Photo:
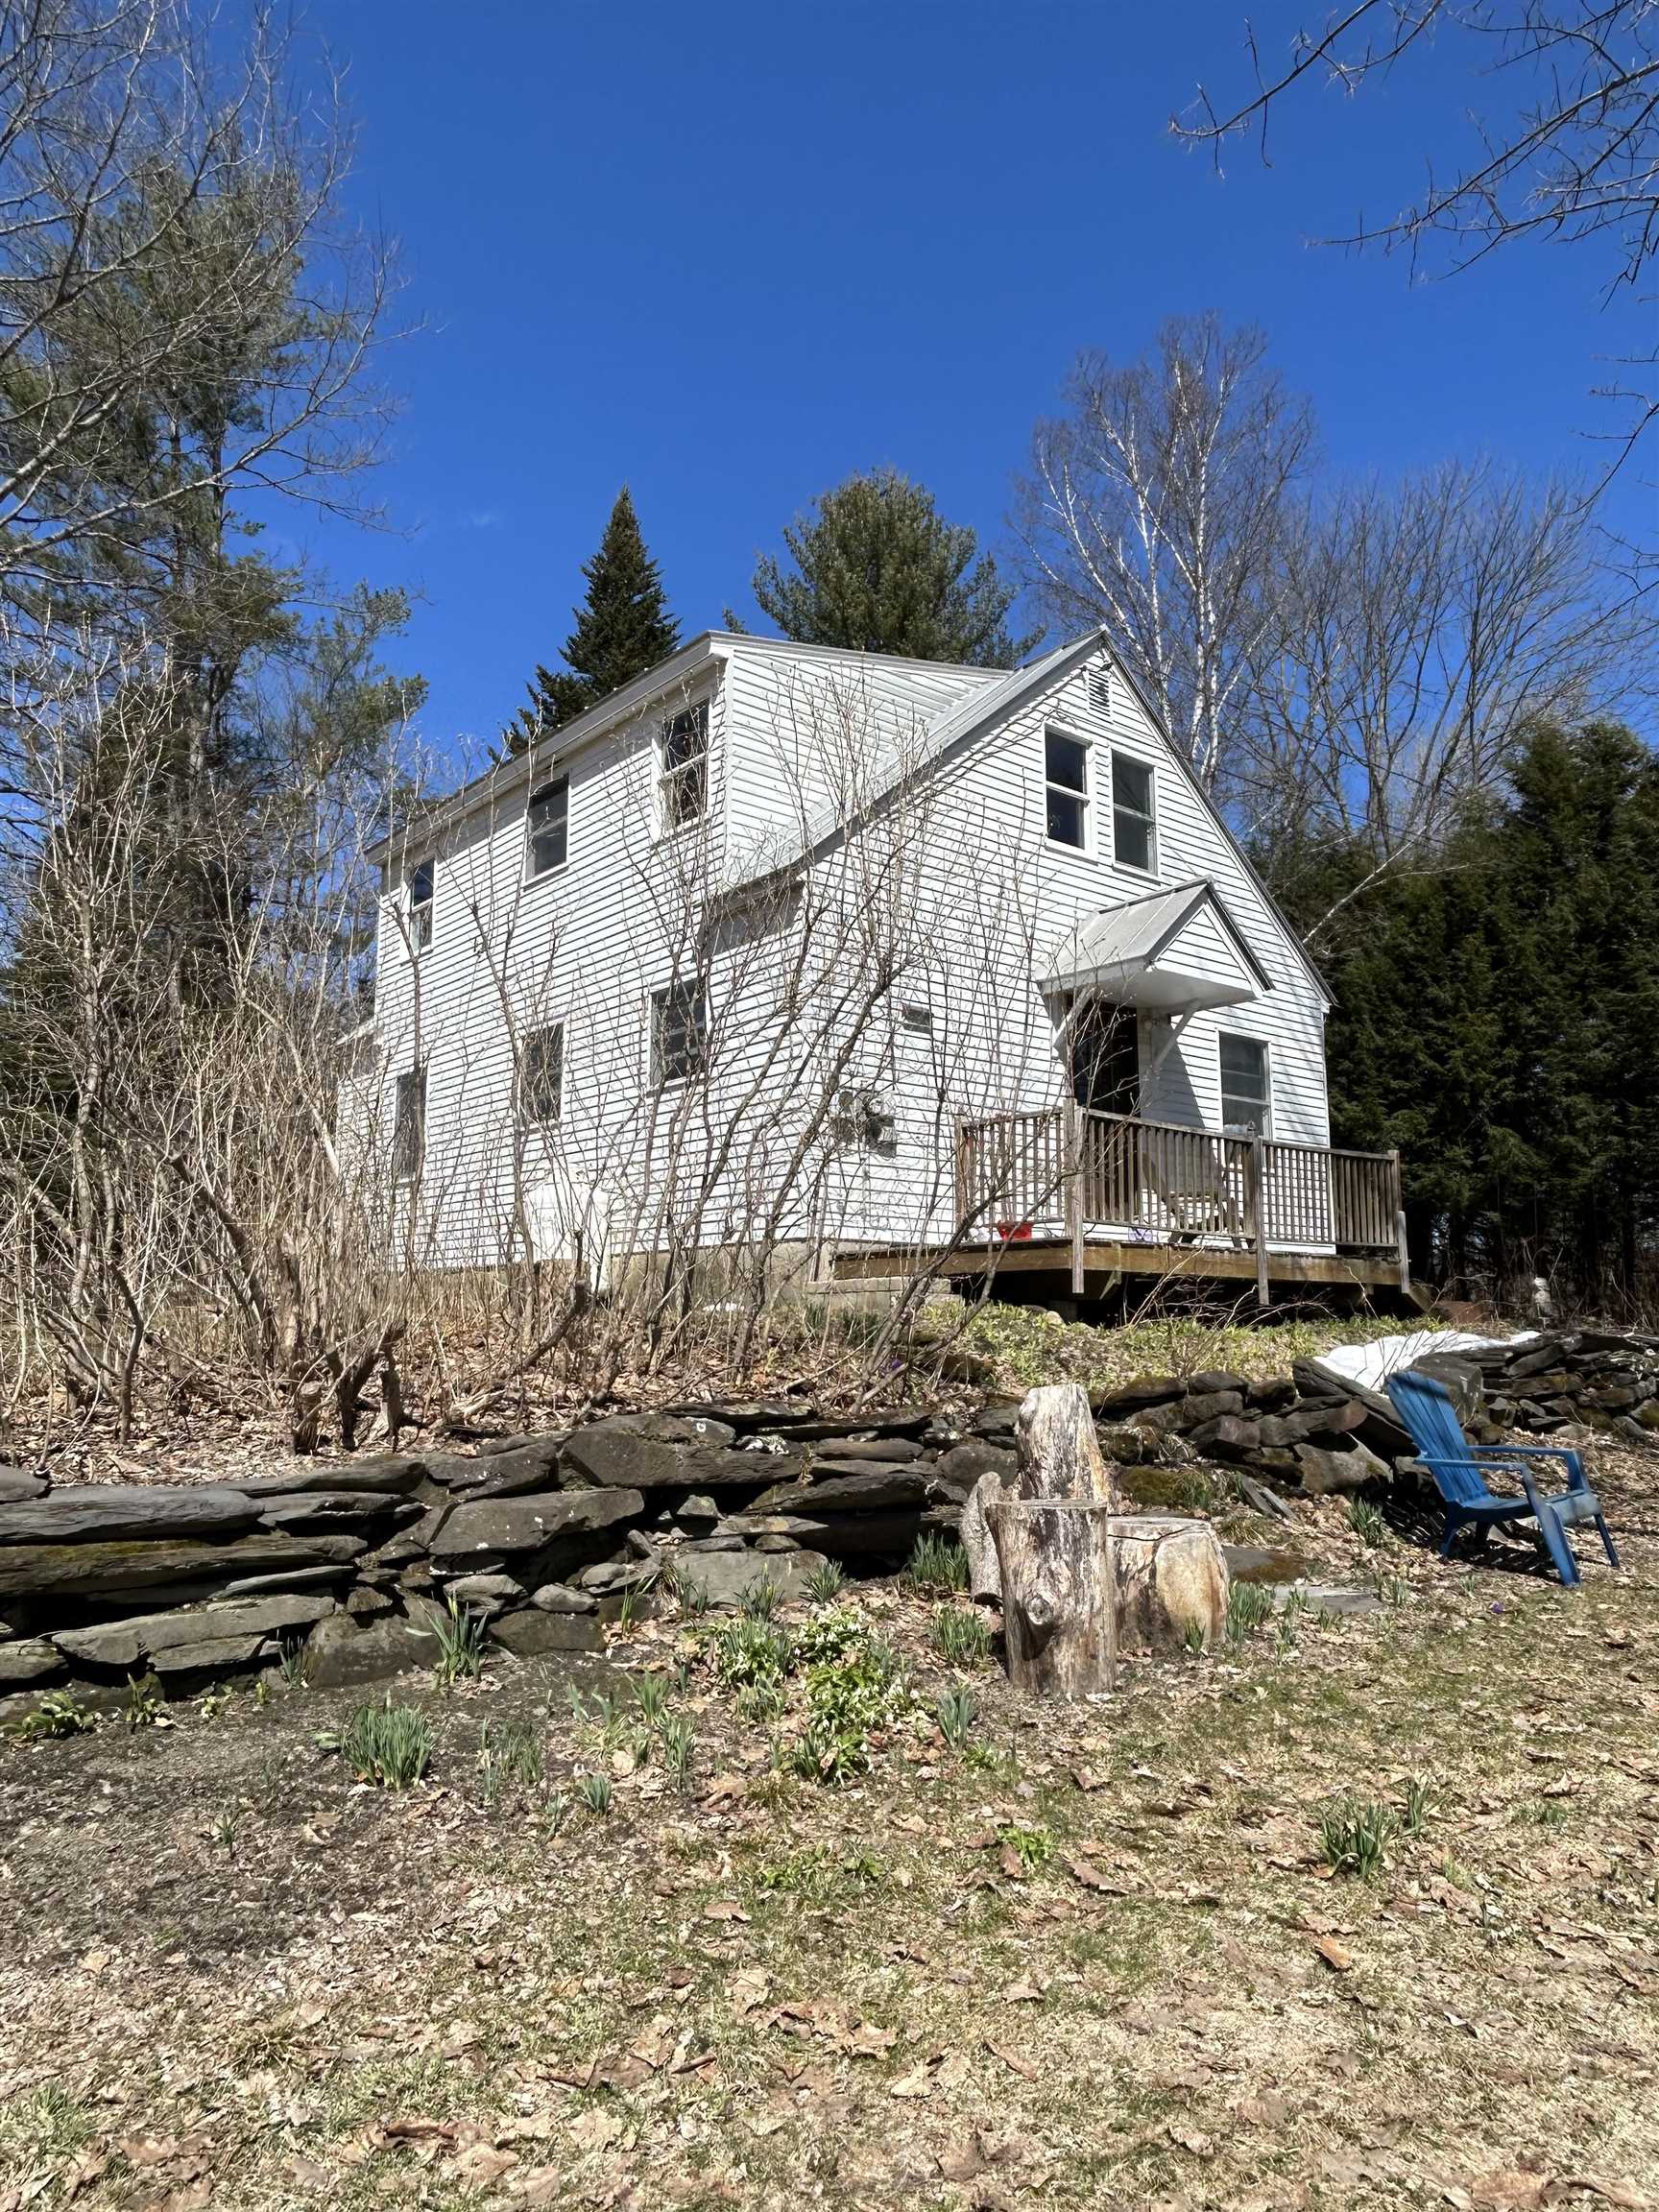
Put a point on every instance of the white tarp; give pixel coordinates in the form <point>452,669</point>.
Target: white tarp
<point>1370,1364</point>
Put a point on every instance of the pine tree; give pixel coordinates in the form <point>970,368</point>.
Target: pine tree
<point>623,628</point>
<point>877,568</point>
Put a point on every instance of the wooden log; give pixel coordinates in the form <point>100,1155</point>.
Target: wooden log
<point>1171,1582</point>
<point>1059,1592</point>
<point>984,1574</point>
<point>1055,1445</point>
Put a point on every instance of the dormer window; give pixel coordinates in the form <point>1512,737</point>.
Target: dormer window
<point>421,885</point>
<point>682,783</point>
<point>547,828</point>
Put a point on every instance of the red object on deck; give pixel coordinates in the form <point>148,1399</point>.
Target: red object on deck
<point>1014,1232</point>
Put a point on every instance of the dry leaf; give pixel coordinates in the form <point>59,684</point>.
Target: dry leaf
<point>723,1909</point>
<point>1622,2193</point>
<point>597,2129</point>
<point>918,2083</point>
<point>1015,2060</point>
<point>481,2163</point>
<point>1511,2189</point>
<point>963,2161</point>
<point>1340,1959</point>
<point>1022,1993</point>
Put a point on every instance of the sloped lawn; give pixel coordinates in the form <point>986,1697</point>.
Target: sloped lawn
<point>1082,1958</point>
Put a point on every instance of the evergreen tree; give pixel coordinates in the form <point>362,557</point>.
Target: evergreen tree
<point>623,628</point>
<point>875,567</point>
<point>1497,1019</point>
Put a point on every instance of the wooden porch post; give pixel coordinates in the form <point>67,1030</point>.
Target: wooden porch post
<point>1071,1170</point>
<point>1258,1196</point>
<point>1401,1250</point>
<point>961,1172</point>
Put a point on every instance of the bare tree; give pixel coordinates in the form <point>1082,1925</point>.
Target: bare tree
<point>1424,629</point>
<point>1567,147</point>
<point>1156,505</point>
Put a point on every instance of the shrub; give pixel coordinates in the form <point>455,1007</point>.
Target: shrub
<point>1354,1834</point>
<point>963,1636</point>
<point>388,1745</point>
<point>937,1563</point>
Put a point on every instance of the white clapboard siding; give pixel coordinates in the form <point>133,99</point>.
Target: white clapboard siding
<point>986,900</point>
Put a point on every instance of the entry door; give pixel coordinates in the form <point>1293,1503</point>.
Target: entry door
<point>1106,1058</point>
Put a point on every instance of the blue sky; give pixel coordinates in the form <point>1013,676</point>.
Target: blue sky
<point>730,253</point>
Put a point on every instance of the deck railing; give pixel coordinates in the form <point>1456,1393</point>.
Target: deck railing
<point>1073,1171</point>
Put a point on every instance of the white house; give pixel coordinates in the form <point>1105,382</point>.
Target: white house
<point>860,956</point>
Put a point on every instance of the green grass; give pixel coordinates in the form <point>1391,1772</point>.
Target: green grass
<point>1249,1604</point>
<point>1025,1346</point>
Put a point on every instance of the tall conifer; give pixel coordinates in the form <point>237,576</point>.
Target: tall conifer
<point>622,628</point>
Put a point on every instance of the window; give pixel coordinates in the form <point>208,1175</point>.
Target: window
<point>1098,687</point>
<point>683,789</point>
<point>1246,1102</point>
<point>1066,771</point>
<point>1134,829</point>
<point>915,1018</point>
<point>422,884</point>
<point>541,1074</point>
<point>409,1131</point>
<point>679,1032</point>
<point>547,828</point>
<point>863,1120</point>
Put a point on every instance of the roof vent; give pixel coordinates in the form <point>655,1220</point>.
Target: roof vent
<point>1099,691</point>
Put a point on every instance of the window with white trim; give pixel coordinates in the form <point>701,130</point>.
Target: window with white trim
<point>1134,814</point>
<point>1246,1086</point>
<point>547,828</point>
<point>409,1127</point>
<point>682,782</point>
<point>422,885</point>
<point>1065,789</point>
<point>542,1075</point>
<point>679,1032</point>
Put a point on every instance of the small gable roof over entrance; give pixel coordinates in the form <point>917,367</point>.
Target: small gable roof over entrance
<point>1177,950</point>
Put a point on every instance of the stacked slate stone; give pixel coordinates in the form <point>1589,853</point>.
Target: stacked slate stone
<point>1306,1431</point>
<point>542,1537</point>
<point>1597,1377</point>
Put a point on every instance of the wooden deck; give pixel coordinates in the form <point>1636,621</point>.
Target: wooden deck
<point>1096,1197</point>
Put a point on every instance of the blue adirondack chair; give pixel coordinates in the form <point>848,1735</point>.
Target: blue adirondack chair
<point>1426,1407</point>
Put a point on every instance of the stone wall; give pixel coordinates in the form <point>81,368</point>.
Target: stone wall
<point>544,1536</point>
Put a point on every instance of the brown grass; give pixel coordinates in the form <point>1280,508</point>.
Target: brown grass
<point>1099,1961</point>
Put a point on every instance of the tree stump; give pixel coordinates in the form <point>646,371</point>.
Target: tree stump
<point>1059,1592</point>
<point>1171,1581</point>
<point>1055,1444</point>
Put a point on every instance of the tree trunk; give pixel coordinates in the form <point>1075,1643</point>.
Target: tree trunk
<point>1171,1582</point>
<point>1059,1592</point>
<point>1055,1445</point>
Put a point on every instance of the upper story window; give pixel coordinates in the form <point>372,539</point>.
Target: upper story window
<point>423,882</point>
<point>1246,1098</point>
<point>542,1075</point>
<point>409,1129</point>
<point>547,828</point>
<point>679,1032</point>
<point>1066,792</point>
<point>1134,819</point>
<point>683,783</point>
